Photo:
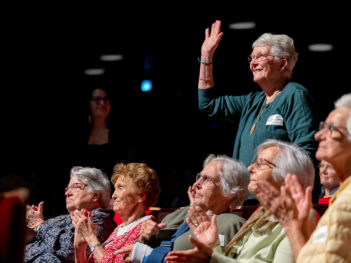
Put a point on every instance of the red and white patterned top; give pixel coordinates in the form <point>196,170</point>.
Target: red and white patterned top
<point>120,238</point>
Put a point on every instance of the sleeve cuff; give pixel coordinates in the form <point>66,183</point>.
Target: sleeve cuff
<point>140,251</point>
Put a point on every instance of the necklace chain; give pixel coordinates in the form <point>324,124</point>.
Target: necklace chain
<point>263,108</point>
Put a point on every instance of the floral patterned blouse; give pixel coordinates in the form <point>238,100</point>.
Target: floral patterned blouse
<point>120,238</point>
<point>54,240</point>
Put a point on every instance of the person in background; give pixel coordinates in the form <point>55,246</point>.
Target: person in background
<point>136,189</point>
<point>331,238</point>
<point>103,139</point>
<point>282,109</point>
<point>329,181</point>
<point>88,189</point>
<point>261,238</point>
<point>221,185</point>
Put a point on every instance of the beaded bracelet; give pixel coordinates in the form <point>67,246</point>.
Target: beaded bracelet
<point>204,62</point>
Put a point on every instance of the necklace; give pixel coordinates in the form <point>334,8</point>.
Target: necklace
<point>263,108</point>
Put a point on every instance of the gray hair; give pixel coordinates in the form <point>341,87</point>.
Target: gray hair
<point>96,181</point>
<point>345,101</point>
<point>282,46</point>
<point>291,159</point>
<point>233,175</point>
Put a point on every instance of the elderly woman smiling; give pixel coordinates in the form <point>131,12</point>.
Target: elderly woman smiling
<point>221,185</point>
<point>136,189</point>
<point>281,109</point>
<point>261,238</point>
<point>88,189</point>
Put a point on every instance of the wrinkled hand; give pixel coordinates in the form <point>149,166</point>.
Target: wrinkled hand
<point>34,216</point>
<point>200,253</point>
<point>212,39</point>
<point>191,195</point>
<point>84,226</point>
<point>127,251</point>
<point>281,204</point>
<point>150,228</point>
<point>292,203</point>
<point>303,198</point>
<point>204,229</point>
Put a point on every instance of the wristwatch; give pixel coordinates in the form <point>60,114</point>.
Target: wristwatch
<point>93,247</point>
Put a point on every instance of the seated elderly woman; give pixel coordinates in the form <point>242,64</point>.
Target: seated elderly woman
<point>329,180</point>
<point>261,238</point>
<point>89,189</point>
<point>136,189</point>
<point>221,185</point>
<point>330,240</point>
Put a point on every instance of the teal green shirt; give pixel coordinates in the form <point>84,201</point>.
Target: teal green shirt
<point>291,117</point>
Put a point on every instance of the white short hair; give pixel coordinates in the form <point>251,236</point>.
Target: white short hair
<point>345,102</point>
<point>281,46</point>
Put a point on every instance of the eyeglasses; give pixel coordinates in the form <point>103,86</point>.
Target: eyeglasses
<point>205,178</point>
<point>259,163</point>
<point>331,127</point>
<point>259,58</point>
<point>75,187</point>
<point>99,100</point>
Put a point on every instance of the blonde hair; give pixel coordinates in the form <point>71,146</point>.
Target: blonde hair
<point>144,178</point>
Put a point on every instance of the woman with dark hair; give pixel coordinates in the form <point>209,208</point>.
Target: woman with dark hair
<point>101,144</point>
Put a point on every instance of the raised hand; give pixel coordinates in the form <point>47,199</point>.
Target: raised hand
<point>34,216</point>
<point>303,198</point>
<point>191,195</point>
<point>204,229</point>
<point>84,226</point>
<point>280,203</point>
<point>212,39</point>
<point>150,228</point>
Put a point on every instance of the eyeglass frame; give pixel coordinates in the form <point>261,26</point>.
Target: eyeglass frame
<point>75,187</point>
<point>260,58</point>
<point>331,127</point>
<point>258,166</point>
<point>205,178</point>
<point>98,100</point>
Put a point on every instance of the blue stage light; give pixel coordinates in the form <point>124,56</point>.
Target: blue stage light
<point>146,85</point>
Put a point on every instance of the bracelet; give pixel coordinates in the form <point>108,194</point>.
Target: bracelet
<point>93,247</point>
<point>204,62</point>
<point>205,79</point>
<point>38,227</point>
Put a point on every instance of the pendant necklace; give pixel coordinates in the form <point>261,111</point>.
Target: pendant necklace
<point>263,107</point>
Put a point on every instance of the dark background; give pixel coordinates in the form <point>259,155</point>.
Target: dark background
<point>46,49</point>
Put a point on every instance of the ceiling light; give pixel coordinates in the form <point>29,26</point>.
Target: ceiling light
<point>242,25</point>
<point>94,71</point>
<point>321,47</point>
<point>111,57</point>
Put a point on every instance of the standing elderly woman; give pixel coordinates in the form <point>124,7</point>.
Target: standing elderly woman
<point>283,110</point>
<point>136,189</point>
<point>261,238</point>
<point>221,185</point>
<point>88,189</point>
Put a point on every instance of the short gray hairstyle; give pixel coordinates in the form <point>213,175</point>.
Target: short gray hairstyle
<point>96,181</point>
<point>345,101</point>
<point>282,46</point>
<point>291,159</point>
<point>234,177</point>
